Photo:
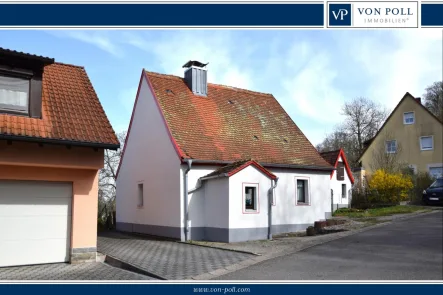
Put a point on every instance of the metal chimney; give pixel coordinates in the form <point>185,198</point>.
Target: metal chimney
<point>196,77</point>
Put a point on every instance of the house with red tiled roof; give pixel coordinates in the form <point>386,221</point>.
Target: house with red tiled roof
<point>341,179</point>
<point>211,162</point>
<point>53,132</point>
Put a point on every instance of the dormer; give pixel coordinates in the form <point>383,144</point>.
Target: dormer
<point>21,83</point>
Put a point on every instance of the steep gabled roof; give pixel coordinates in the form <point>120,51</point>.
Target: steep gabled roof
<point>407,95</point>
<point>231,124</point>
<point>332,157</point>
<point>237,166</point>
<point>71,111</point>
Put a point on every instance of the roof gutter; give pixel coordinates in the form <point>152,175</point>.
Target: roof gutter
<point>60,142</point>
<point>290,166</point>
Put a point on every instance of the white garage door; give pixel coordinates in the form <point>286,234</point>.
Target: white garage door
<point>35,222</point>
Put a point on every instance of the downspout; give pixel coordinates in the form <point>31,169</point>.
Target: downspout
<point>185,189</point>
<point>270,198</point>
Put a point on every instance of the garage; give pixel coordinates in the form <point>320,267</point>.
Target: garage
<point>35,222</point>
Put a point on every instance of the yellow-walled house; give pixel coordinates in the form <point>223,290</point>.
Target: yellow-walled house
<point>411,135</point>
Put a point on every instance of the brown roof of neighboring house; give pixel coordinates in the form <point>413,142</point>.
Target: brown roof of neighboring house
<point>332,158</point>
<point>237,166</point>
<point>71,112</point>
<point>231,124</point>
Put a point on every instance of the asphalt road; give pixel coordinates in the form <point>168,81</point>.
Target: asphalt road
<point>404,250</point>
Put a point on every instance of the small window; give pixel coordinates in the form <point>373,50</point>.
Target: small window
<point>302,191</point>
<point>426,143</point>
<point>391,146</point>
<point>408,118</point>
<point>343,191</point>
<point>14,94</point>
<point>251,198</point>
<point>140,195</point>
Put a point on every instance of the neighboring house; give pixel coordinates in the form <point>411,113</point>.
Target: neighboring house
<point>53,132</point>
<point>411,135</point>
<point>341,179</point>
<point>204,161</point>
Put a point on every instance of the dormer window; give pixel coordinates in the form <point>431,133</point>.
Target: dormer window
<point>21,77</point>
<point>14,94</point>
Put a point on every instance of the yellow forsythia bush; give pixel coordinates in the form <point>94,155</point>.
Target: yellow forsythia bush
<point>389,187</point>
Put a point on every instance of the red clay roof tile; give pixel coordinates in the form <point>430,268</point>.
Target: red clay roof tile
<point>231,124</point>
<point>71,110</point>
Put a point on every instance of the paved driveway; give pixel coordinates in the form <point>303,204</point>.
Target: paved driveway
<point>404,250</point>
<point>65,271</point>
<point>168,259</point>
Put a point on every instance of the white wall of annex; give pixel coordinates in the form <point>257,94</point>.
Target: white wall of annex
<point>286,211</point>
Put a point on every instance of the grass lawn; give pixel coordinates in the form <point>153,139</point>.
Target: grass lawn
<point>379,211</point>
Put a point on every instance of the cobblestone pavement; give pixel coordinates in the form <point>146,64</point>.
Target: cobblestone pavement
<point>168,259</point>
<point>64,271</point>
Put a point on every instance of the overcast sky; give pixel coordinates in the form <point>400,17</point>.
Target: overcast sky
<point>310,72</point>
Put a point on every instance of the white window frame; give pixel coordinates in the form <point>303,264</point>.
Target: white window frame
<point>307,191</point>
<point>427,149</point>
<point>140,195</point>
<point>386,146</point>
<point>404,118</point>
<point>257,198</point>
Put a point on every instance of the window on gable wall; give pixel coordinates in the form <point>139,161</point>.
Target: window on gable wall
<point>140,195</point>
<point>14,94</point>
<point>408,118</point>
<point>340,171</point>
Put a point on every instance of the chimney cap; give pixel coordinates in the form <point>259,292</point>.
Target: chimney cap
<point>194,63</point>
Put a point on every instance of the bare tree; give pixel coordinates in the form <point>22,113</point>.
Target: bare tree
<point>107,178</point>
<point>338,139</point>
<point>387,160</point>
<point>363,119</point>
<point>433,99</point>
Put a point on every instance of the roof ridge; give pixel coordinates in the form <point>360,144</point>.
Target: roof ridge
<point>69,65</point>
<point>174,77</point>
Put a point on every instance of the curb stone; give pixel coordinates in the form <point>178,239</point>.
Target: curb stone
<point>220,248</point>
<point>112,261</point>
<point>259,259</point>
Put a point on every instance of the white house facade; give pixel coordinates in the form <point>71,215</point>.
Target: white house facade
<point>341,179</point>
<point>211,162</point>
